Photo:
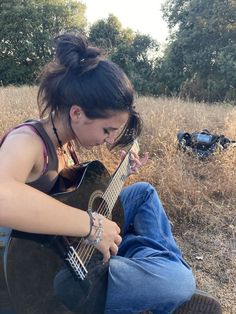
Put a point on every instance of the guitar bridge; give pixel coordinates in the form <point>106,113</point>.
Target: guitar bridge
<point>76,263</point>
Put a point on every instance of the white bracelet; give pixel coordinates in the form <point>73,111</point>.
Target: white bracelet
<point>98,233</point>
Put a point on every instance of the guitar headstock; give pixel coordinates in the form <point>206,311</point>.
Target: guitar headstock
<point>135,147</point>
<point>125,166</point>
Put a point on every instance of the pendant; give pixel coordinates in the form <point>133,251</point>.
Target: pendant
<point>70,161</point>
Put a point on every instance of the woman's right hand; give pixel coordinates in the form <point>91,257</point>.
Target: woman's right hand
<point>110,236</point>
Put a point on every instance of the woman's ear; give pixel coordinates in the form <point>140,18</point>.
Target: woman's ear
<point>76,113</point>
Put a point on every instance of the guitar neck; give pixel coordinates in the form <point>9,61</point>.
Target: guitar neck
<point>117,182</point>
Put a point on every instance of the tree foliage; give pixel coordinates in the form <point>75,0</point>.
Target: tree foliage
<point>26,30</point>
<point>107,33</point>
<point>134,53</point>
<point>200,61</point>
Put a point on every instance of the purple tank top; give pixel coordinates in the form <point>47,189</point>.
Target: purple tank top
<point>48,178</point>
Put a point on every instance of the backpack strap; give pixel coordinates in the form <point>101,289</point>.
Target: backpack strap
<point>184,138</point>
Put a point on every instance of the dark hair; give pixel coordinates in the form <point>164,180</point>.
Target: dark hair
<point>80,76</point>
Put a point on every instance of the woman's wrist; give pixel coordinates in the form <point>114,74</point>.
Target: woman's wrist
<point>91,223</point>
<point>96,228</point>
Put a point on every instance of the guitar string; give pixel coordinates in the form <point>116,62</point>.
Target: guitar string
<point>86,252</point>
<point>103,208</point>
<point>103,205</point>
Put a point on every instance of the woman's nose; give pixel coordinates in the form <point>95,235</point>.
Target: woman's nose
<point>110,139</point>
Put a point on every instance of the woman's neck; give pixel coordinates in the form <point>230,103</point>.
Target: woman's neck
<point>58,127</point>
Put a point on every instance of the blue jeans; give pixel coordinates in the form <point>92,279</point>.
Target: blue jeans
<point>149,272</point>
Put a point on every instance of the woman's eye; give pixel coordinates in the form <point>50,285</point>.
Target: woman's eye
<point>106,131</point>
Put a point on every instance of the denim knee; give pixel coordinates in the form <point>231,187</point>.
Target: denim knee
<point>144,187</point>
<point>139,189</point>
<point>183,287</point>
<point>166,284</point>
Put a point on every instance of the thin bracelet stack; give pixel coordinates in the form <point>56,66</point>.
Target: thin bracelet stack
<point>98,233</point>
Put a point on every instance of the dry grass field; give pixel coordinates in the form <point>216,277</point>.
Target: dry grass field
<point>199,197</point>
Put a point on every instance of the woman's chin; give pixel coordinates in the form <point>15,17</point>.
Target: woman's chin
<point>89,147</point>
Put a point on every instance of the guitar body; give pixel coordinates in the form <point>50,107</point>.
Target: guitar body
<point>31,261</point>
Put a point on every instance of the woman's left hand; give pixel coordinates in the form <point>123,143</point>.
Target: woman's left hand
<point>136,162</point>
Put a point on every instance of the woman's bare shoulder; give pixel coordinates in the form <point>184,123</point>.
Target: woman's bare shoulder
<point>21,153</point>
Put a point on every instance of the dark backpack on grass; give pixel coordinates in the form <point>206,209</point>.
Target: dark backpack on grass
<point>202,144</point>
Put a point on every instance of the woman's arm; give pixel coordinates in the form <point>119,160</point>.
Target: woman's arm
<point>27,209</point>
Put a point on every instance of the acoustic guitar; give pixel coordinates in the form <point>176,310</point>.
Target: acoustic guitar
<point>30,261</point>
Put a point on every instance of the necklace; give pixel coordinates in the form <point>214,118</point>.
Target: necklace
<point>68,159</point>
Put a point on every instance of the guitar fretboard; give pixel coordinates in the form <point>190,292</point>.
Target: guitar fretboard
<point>79,257</point>
<point>117,182</point>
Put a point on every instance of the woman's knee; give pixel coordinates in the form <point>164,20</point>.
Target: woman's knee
<point>183,287</point>
<point>175,281</point>
<point>138,189</point>
<point>144,186</point>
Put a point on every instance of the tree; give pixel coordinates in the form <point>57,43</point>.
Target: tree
<point>139,59</point>
<point>204,36</point>
<point>26,41</point>
<point>135,53</point>
<point>106,33</point>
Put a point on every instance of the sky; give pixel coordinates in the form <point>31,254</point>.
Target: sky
<point>143,16</point>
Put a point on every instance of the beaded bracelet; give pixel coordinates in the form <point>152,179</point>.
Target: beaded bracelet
<point>91,222</point>
<point>98,229</point>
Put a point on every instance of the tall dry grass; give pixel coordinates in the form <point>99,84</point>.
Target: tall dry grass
<point>185,184</point>
<point>199,196</point>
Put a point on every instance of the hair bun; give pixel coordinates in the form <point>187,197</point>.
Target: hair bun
<point>73,52</point>
<point>92,52</point>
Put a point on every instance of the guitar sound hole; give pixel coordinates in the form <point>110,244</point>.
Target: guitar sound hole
<point>100,206</point>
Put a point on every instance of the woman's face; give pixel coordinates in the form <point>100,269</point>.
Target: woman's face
<point>93,132</point>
